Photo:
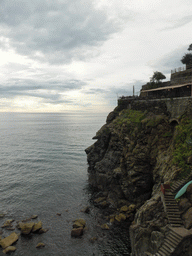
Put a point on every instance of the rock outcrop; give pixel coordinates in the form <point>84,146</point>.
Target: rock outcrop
<point>137,150</point>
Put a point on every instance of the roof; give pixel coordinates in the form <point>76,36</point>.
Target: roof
<point>166,87</point>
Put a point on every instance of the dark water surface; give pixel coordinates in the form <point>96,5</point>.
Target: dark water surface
<point>43,171</point>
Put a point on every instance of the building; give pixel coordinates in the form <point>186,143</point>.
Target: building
<point>180,85</point>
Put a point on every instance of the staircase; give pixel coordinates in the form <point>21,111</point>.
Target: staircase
<point>173,239</point>
<point>169,245</point>
<point>172,209</point>
<point>179,184</point>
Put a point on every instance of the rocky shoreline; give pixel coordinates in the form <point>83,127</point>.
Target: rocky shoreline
<point>136,151</point>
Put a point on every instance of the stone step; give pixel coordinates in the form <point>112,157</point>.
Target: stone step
<point>173,239</point>
<point>165,250</point>
<point>175,235</point>
<point>176,225</point>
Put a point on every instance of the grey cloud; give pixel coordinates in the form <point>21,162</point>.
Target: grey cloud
<point>179,23</point>
<point>50,91</point>
<point>170,61</point>
<point>54,31</point>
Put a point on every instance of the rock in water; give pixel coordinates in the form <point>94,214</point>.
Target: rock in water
<point>26,228</point>
<point>77,232</point>
<point>9,240</point>
<point>9,249</point>
<point>37,226</point>
<point>79,223</point>
<point>40,245</point>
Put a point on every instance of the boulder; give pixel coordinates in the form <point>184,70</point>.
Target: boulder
<point>132,207</point>
<point>187,217</point>
<point>7,223</point>
<point>122,216</point>
<point>40,245</point>
<point>184,204</point>
<point>9,249</point>
<point>99,199</point>
<point>37,226</point>
<point>105,226</point>
<point>34,217</point>
<point>86,209</point>
<point>93,239</point>
<point>9,240</point>
<point>124,208</point>
<point>26,228</point>
<point>42,230</point>
<point>79,223</point>
<point>189,192</point>
<point>77,232</point>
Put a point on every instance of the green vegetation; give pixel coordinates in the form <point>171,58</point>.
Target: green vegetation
<point>167,134</point>
<point>155,80</point>
<point>129,118</point>
<point>187,58</point>
<point>154,121</point>
<point>183,147</point>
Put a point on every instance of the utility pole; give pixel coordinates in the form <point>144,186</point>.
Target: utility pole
<point>133,90</point>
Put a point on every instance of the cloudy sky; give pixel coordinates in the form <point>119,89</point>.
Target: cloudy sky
<point>80,55</point>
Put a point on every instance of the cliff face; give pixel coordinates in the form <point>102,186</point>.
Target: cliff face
<point>135,153</point>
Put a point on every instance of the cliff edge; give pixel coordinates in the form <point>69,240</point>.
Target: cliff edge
<point>136,151</point>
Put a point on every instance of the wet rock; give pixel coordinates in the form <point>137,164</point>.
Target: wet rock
<point>9,240</point>
<point>34,217</point>
<point>37,226</point>
<point>42,230</point>
<point>93,239</point>
<point>105,226</point>
<point>86,209</point>
<point>124,208</point>
<point>7,223</point>
<point>77,232</point>
<point>99,200</point>
<point>120,217</point>
<point>40,245</point>
<point>9,249</point>
<point>112,219</point>
<point>79,223</point>
<point>26,228</point>
<point>132,207</point>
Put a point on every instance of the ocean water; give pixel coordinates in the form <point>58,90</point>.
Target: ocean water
<point>43,171</point>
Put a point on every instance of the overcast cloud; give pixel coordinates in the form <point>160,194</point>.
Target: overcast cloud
<point>81,55</point>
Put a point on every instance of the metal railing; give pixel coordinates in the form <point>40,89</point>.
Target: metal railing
<point>180,69</point>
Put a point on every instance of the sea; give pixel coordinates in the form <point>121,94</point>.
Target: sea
<point>43,171</point>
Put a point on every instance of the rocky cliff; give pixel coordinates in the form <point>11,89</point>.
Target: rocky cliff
<point>135,151</point>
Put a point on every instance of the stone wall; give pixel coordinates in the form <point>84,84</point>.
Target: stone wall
<point>175,106</point>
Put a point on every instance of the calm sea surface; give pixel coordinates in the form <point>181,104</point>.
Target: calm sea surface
<point>43,171</point>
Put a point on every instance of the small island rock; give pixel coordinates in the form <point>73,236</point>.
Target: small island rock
<point>77,232</point>
<point>9,240</point>
<point>40,245</point>
<point>9,249</point>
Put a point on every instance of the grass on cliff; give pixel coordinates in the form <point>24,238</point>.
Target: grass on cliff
<point>129,118</point>
<point>183,146</point>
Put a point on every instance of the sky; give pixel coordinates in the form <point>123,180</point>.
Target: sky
<point>81,55</point>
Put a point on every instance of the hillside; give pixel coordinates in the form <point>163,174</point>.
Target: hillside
<point>136,151</point>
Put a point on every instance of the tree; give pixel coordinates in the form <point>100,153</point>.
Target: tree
<point>187,58</point>
<point>157,77</point>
